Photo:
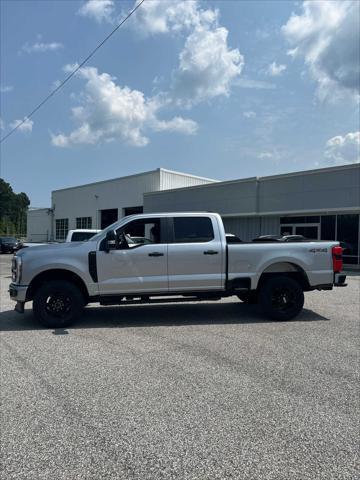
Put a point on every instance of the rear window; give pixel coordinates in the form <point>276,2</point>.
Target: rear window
<point>81,236</point>
<point>193,229</point>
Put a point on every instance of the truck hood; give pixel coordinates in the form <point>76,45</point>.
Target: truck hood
<point>56,249</point>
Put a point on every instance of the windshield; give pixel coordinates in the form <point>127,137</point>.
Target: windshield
<point>8,239</point>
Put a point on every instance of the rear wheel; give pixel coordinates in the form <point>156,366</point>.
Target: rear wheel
<point>57,304</point>
<point>248,297</point>
<point>281,298</point>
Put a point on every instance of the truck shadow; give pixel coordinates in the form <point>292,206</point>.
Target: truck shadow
<point>164,315</point>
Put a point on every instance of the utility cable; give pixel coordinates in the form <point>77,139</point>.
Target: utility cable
<point>51,94</point>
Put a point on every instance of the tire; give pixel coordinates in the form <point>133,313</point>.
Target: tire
<point>249,297</point>
<point>57,304</point>
<point>281,298</point>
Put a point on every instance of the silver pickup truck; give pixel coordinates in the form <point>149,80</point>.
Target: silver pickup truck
<point>153,258</point>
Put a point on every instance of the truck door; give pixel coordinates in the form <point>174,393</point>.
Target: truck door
<point>195,254</point>
<point>140,264</point>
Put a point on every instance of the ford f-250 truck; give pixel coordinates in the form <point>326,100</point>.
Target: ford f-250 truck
<point>153,258</point>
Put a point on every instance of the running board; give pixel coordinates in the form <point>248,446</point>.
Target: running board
<point>139,300</point>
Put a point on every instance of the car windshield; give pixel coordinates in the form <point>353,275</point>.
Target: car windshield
<point>8,239</point>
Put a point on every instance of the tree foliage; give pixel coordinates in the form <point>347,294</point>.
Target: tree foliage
<point>13,210</point>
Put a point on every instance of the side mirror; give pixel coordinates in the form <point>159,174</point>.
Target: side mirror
<point>110,241</point>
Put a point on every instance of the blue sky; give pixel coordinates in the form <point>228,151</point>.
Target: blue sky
<point>222,89</point>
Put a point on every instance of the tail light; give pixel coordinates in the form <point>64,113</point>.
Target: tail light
<point>337,259</point>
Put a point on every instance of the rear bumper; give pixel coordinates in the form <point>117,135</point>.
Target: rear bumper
<point>339,280</point>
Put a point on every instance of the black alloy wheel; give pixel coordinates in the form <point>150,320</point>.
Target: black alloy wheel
<point>58,303</point>
<point>281,298</point>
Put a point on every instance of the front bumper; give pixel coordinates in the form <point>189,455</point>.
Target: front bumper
<point>18,292</point>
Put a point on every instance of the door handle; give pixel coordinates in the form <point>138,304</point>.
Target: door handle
<point>211,252</point>
<point>156,254</point>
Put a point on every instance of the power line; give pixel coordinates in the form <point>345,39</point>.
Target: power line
<point>72,73</point>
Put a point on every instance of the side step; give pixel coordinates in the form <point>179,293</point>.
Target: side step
<point>156,300</point>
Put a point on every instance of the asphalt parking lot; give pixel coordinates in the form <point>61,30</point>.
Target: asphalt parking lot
<point>184,391</point>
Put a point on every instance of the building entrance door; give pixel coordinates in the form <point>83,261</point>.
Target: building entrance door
<point>108,217</point>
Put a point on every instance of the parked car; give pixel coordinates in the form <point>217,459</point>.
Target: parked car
<point>80,235</point>
<point>187,259</point>
<point>8,244</point>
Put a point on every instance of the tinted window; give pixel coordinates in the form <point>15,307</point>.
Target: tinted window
<point>348,233</point>
<point>310,219</point>
<point>310,233</point>
<point>192,229</point>
<point>286,230</point>
<point>328,227</point>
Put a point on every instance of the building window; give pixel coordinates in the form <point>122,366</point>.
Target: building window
<point>308,219</point>
<point>62,227</point>
<point>84,222</point>
<point>308,227</point>
<point>328,223</point>
<point>132,210</point>
<point>348,236</point>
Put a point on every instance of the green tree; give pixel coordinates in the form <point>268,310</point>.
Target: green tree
<point>13,210</point>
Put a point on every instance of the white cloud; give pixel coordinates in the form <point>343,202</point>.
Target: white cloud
<point>99,10</point>
<point>207,67</point>
<point>250,83</point>
<point>343,149</point>
<point>108,112</point>
<point>326,34</point>
<point>275,70</point>
<point>41,47</point>
<point>6,88</point>
<point>26,127</point>
<point>249,114</point>
<point>177,124</point>
<point>266,155</point>
<point>273,154</point>
<point>163,16</point>
<point>70,67</point>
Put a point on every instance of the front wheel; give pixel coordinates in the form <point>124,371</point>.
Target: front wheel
<point>57,304</point>
<point>281,298</point>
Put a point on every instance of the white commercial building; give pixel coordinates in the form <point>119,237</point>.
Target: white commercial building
<point>97,205</point>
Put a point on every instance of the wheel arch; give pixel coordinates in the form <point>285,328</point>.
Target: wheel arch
<point>56,274</point>
<point>285,268</point>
